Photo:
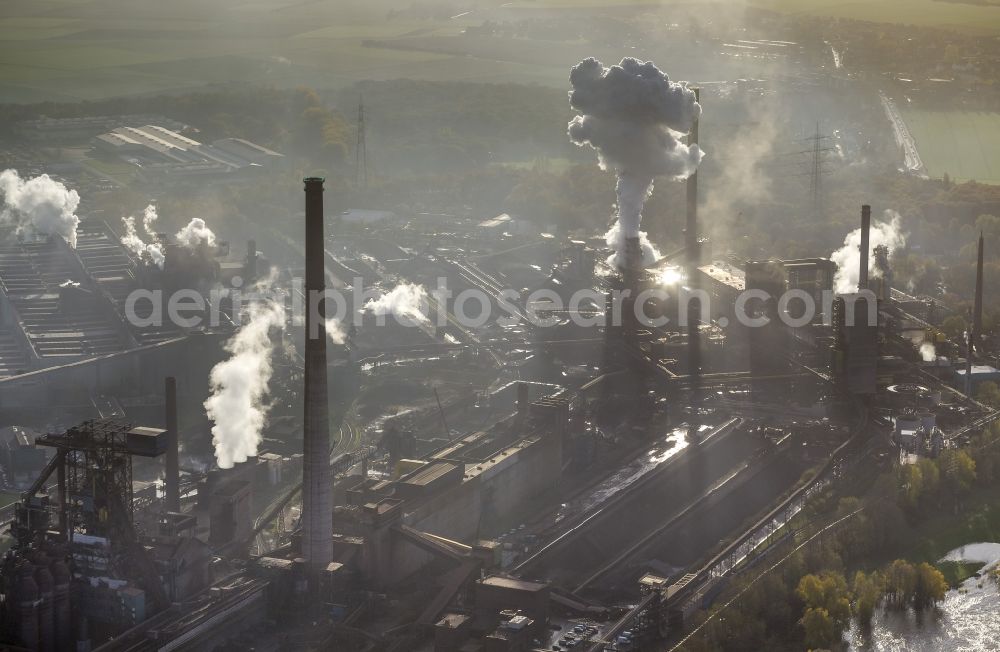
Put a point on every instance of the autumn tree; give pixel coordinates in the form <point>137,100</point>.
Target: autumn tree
<point>828,607</point>
<point>929,586</point>
<point>900,583</point>
<point>867,591</point>
<point>820,629</point>
<point>959,470</point>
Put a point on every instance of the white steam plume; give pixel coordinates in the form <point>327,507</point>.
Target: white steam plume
<point>927,352</point>
<point>848,257</point>
<point>196,234</point>
<point>406,302</point>
<point>634,116</point>
<point>615,239</point>
<point>149,218</point>
<point>335,331</point>
<point>152,251</point>
<point>240,384</point>
<point>39,206</point>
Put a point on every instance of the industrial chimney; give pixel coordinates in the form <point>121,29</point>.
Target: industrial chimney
<point>250,273</point>
<point>693,258</point>
<point>866,226</point>
<point>173,480</point>
<point>317,482</point>
<point>691,230</point>
<point>977,311</point>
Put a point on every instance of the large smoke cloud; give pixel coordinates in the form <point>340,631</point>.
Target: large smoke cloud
<point>240,385</point>
<point>634,116</point>
<point>196,234</point>
<point>406,302</point>
<point>848,258</point>
<point>152,251</point>
<point>39,206</point>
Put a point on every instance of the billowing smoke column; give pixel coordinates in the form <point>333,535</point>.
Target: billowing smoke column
<point>152,251</point>
<point>240,384</point>
<point>406,302</point>
<point>928,353</point>
<point>196,234</point>
<point>634,116</point>
<point>39,206</point>
<point>848,258</point>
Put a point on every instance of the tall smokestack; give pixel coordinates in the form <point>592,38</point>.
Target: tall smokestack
<point>317,483</point>
<point>630,277</point>
<point>251,264</point>
<point>691,232</point>
<point>866,227</point>
<point>968,361</point>
<point>173,480</point>
<point>977,311</point>
<point>694,259</point>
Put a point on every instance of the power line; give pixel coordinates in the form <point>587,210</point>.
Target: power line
<point>818,170</point>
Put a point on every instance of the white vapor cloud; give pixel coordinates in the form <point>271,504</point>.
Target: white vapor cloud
<point>240,384</point>
<point>848,257</point>
<point>196,234</point>
<point>39,206</point>
<point>406,302</point>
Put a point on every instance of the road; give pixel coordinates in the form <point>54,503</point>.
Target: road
<point>911,157</point>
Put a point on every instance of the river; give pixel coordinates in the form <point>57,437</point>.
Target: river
<point>968,620</point>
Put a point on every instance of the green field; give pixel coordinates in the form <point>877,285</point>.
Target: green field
<point>965,145</point>
<point>982,17</point>
<point>69,50</point>
<point>973,18</point>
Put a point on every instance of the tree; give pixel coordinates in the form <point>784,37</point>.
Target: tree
<point>929,586</point>
<point>820,631</point>
<point>959,471</point>
<point>986,453</point>
<point>909,486</point>
<point>989,393</point>
<point>900,583</point>
<point>867,594</point>
<point>828,593</point>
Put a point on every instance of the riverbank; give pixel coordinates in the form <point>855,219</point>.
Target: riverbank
<point>964,620</point>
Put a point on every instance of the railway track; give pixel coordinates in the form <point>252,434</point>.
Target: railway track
<point>598,518</point>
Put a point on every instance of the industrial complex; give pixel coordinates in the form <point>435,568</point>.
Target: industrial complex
<point>582,474</point>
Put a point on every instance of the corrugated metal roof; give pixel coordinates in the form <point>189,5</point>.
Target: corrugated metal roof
<point>430,473</point>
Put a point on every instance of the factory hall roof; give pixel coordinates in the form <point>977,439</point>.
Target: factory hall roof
<point>725,274</point>
<point>430,473</point>
<point>163,146</point>
<point>514,584</point>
